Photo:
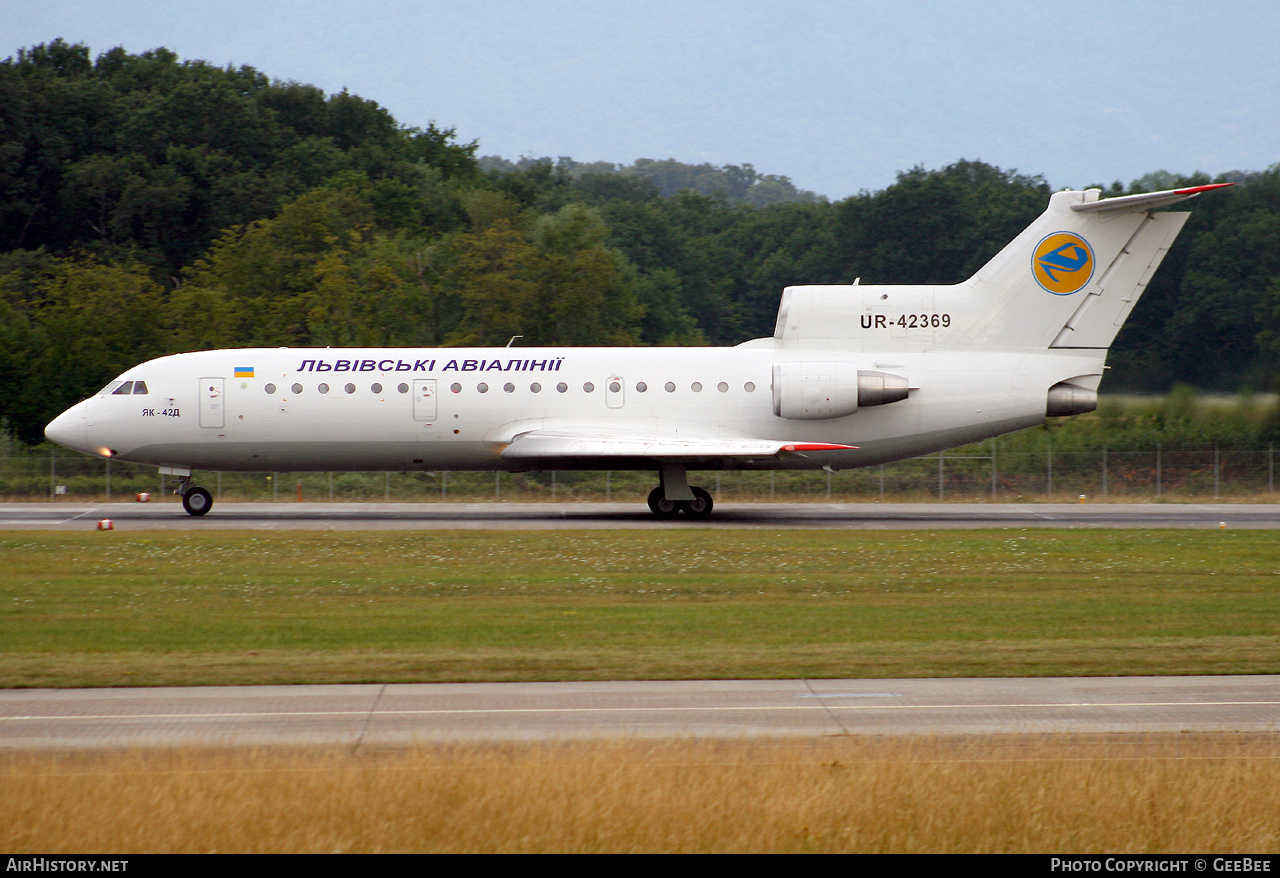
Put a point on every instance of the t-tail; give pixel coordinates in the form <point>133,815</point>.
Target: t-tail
<point>1071,279</point>
<point>1068,282</point>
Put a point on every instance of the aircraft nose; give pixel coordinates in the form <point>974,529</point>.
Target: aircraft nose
<point>68,430</point>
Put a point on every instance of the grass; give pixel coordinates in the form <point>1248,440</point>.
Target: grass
<point>1210,794</point>
<point>127,609</point>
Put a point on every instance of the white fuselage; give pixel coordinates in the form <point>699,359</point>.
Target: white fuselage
<point>458,409</point>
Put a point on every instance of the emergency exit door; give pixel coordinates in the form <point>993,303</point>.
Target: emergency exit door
<point>425,406</point>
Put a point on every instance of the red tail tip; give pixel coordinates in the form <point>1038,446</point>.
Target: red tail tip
<point>1196,190</point>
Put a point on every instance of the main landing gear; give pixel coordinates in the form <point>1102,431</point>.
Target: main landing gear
<point>673,496</point>
<point>196,500</point>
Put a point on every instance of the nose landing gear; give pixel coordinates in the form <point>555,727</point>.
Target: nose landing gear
<point>196,500</point>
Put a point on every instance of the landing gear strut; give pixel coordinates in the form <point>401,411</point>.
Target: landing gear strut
<point>673,496</point>
<point>196,500</point>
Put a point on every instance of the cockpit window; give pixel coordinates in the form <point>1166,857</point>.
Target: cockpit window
<point>126,388</point>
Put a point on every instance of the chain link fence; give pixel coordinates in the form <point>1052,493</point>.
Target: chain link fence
<point>973,474</point>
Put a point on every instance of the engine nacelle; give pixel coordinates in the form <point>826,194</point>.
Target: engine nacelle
<point>1066,399</point>
<point>814,391</point>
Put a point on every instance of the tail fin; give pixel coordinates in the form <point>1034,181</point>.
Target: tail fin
<point>1072,277</point>
<point>1067,282</point>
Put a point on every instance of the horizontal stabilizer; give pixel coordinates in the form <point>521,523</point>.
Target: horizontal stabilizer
<point>1145,200</point>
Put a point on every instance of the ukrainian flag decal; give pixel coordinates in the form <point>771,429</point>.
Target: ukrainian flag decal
<point>1062,263</point>
<point>244,371</point>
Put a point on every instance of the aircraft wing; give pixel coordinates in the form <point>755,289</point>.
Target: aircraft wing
<point>547,444</point>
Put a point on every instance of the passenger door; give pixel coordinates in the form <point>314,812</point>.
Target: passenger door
<point>213,408</point>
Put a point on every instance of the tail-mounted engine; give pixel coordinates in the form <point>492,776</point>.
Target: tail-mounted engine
<point>1067,398</point>
<point>813,391</point>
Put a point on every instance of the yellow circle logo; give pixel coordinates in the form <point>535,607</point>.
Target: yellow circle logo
<point>1062,263</point>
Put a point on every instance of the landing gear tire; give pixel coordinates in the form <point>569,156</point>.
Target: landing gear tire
<point>197,501</point>
<point>700,506</point>
<point>660,505</point>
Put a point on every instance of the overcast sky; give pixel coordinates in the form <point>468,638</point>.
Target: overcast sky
<point>838,95</point>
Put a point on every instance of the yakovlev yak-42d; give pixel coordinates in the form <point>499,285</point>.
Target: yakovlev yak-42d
<point>853,376</point>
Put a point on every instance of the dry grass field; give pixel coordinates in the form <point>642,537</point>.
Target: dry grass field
<point>1115,794</point>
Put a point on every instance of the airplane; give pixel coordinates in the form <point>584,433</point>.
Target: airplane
<point>853,376</point>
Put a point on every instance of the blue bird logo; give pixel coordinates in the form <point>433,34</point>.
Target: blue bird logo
<point>1062,263</point>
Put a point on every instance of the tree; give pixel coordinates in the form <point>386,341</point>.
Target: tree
<point>935,227</point>
<point>1206,317</point>
<point>584,294</point>
<point>490,276</point>
<point>88,322</point>
<point>153,157</point>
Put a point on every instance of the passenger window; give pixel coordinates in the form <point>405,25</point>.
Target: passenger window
<point>588,387</point>
<point>377,388</point>
<point>482,387</point>
<point>535,387</point>
<point>403,388</point>
<point>323,388</point>
<point>641,387</point>
<point>697,387</point>
<point>749,387</point>
<point>669,387</point>
<point>124,389</point>
<point>350,388</point>
<point>722,387</point>
<point>297,388</point>
<point>455,388</point>
<point>562,387</point>
<point>509,387</point>
<point>270,388</point>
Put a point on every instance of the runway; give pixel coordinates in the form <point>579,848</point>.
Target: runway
<point>395,715</point>
<point>168,515</point>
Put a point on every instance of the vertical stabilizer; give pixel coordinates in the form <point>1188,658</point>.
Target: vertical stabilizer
<point>1073,276</point>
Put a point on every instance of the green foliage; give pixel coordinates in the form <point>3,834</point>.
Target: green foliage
<point>647,178</point>
<point>556,283</point>
<point>152,156</point>
<point>1208,318</point>
<point>1181,419</point>
<point>935,226</point>
<point>82,323</point>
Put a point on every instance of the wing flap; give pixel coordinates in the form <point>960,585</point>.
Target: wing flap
<point>548,444</point>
